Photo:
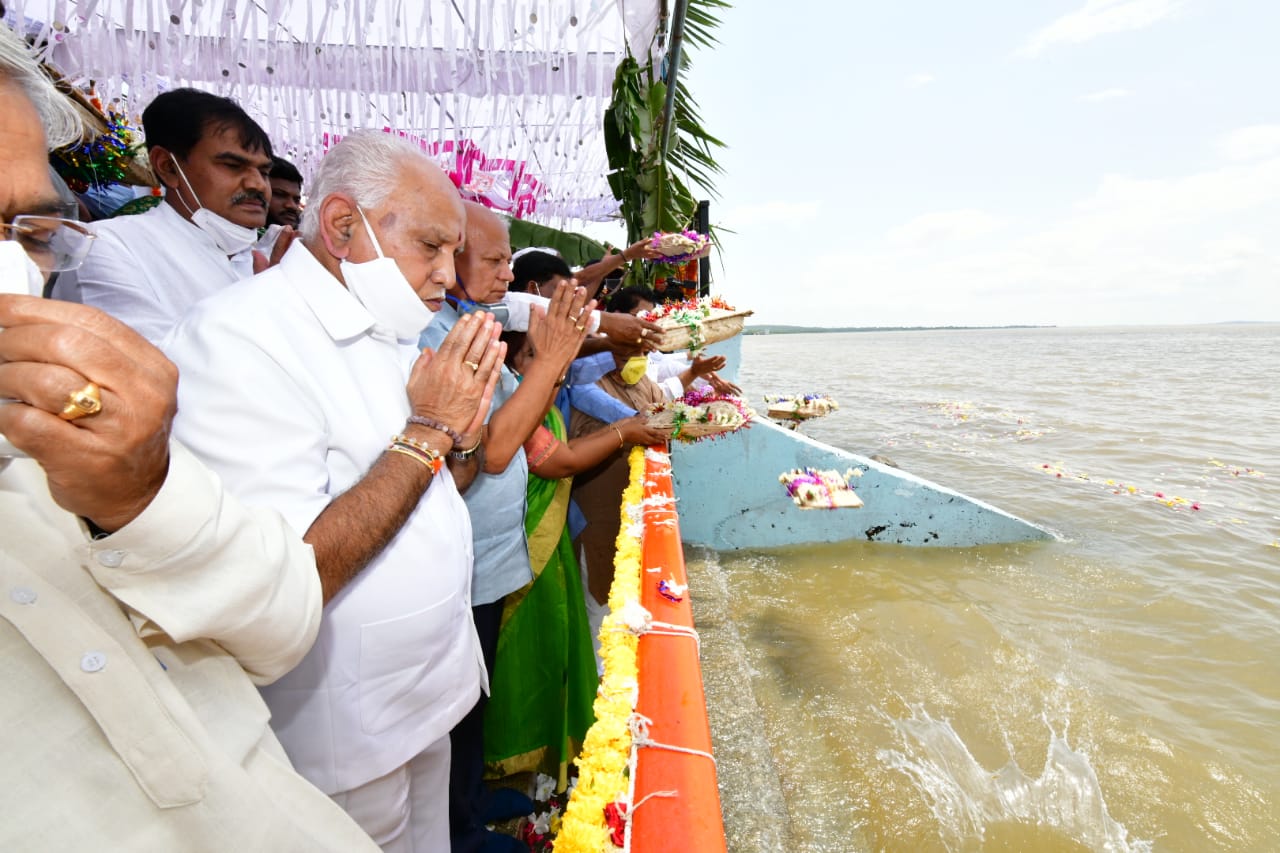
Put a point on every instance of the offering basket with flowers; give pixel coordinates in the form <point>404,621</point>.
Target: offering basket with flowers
<point>700,414</point>
<point>695,323</point>
<point>677,248</point>
<point>814,489</point>
<point>800,407</point>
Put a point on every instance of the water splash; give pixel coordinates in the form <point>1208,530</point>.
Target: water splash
<point>968,800</point>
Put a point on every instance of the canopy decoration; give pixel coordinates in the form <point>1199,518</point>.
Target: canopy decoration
<point>508,95</point>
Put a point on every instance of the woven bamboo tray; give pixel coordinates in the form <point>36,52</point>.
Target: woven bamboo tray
<point>724,417</point>
<point>790,410</point>
<point>718,327</point>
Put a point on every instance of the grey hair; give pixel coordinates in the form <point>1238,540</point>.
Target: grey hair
<point>62,124</point>
<point>362,165</point>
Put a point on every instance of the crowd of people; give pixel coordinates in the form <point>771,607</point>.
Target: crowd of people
<point>292,544</point>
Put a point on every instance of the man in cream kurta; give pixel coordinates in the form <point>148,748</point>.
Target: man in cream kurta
<point>126,731</point>
<point>128,718</point>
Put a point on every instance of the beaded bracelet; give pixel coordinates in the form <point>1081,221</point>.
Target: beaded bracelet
<point>432,424</point>
<point>408,447</point>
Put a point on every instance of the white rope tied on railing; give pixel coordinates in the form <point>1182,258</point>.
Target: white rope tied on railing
<point>634,618</point>
<point>639,726</point>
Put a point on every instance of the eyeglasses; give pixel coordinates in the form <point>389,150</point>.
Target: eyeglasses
<point>56,245</point>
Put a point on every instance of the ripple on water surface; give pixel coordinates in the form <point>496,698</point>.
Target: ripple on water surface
<point>1118,689</point>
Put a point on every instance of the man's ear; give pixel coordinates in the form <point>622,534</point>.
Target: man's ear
<point>162,167</point>
<point>338,219</point>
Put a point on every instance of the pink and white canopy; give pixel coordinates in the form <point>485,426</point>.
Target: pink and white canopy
<point>508,95</point>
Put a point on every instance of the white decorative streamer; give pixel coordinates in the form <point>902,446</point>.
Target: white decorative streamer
<point>442,70</point>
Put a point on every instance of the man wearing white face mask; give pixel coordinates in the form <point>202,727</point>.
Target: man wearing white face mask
<point>213,160</point>
<point>304,389</point>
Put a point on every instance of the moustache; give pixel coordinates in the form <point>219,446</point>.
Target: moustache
<point>241,198</point>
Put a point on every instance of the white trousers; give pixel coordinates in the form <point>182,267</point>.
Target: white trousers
<point>407,810</point>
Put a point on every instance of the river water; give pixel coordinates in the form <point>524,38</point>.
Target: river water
<point>1117,689</point>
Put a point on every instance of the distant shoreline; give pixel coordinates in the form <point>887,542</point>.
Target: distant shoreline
<point>803,330</point>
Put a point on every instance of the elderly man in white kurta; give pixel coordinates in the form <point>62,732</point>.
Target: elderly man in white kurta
<point>303,387</point>
<point>138,601</point>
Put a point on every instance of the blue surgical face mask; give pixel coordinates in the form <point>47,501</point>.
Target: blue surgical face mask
<point>501,313</point>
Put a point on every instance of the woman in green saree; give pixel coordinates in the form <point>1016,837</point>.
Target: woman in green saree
<point>545,680</point>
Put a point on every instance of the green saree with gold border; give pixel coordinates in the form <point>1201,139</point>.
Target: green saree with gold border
<point>544,681</point>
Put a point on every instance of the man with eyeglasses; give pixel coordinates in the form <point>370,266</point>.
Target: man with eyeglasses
<point>214,162</point>
<point>139,603</point>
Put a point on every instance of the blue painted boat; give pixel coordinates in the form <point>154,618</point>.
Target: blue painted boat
<point>730,498</point>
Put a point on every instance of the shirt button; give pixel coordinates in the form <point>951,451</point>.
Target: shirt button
<point>93,661</point>
<point>22,595</point>
<point>111,559</point>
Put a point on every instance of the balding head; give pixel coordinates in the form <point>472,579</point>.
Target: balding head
<point>484,267</point>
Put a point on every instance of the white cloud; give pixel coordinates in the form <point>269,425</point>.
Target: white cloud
<point>915,81</point>
<point>771,213</point>
<point>1179,249</point>
<point>1251,143</point>
<point>943,226</point>
<point>1098,18</point>
<point>1106,95</point>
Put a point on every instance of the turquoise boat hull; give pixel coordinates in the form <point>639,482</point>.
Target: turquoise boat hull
<point>729,496</point>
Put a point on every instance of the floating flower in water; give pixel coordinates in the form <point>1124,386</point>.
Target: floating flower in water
<point>1118,488</point>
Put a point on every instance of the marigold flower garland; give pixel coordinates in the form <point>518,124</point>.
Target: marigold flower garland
<point>602,764</point>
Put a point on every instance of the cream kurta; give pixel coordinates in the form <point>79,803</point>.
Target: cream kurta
<point>112,742</point>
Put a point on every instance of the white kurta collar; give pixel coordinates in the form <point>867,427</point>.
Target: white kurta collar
<point>341,314</point>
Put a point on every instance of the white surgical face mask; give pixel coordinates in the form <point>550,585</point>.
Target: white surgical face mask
<point>18,274</point>
<point>385,293</point>
<point>228,236</point>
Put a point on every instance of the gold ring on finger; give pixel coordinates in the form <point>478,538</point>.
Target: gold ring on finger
<point>472,365</point>
<point>82,403</point>
<point>581,328</point>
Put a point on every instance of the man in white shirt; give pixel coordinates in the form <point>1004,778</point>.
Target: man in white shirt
<point>304,389</point>
<point>138,602</point>
<point>214,161</point>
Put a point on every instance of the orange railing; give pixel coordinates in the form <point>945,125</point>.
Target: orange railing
<point>675,789</point>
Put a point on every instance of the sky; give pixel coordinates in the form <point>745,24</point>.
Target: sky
<point>999,162</point>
